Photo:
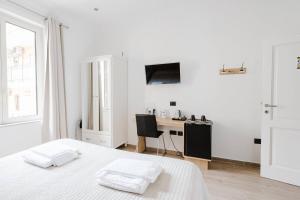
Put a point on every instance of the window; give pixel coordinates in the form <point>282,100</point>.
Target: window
<point>21,72</point>
<point>21,68</point>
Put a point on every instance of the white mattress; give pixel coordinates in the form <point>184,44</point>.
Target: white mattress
<point>181,180</point>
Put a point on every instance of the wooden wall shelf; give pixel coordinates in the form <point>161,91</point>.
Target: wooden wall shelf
<point>229,71</point>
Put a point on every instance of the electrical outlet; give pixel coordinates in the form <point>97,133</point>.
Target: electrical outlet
<point>172,132</point>
<point>172,103</point>
<point>180,133</point>
<point>257,141</point>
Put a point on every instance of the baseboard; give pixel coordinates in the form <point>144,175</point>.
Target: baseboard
<point>214,159</point>
<point>235,162</point>
<point>131,146</point>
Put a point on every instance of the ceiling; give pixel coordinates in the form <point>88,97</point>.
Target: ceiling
<point>109,10</point>
<point>128,12</point>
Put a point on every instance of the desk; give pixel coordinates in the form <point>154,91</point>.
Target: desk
<point>168,122</point>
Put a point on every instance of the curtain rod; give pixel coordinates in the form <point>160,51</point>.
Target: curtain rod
<point>35,12</point>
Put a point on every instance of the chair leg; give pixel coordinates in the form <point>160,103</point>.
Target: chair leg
<point>165,150</point>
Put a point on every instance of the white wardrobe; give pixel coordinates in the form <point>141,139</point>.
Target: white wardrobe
<point>104,101</point>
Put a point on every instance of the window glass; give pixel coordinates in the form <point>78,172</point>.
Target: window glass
<point>21,71</point>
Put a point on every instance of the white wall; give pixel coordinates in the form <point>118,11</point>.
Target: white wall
<point>16,138</point>
<point>78,45</point>
<point>202,35</point>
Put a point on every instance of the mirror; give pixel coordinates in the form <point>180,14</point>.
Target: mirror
<point>96,95</point>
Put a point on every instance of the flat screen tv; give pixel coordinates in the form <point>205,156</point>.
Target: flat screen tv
<point>163,73</point>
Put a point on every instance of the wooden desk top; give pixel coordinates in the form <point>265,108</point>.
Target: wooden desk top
<point>169,122</point>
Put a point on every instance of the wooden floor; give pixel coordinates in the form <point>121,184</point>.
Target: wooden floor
<point>228,181</point>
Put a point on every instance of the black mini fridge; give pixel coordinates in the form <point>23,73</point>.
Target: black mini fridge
<point>197,139</point>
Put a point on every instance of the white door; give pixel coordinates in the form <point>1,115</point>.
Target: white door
<point>280,150</point>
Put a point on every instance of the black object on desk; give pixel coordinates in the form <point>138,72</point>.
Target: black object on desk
<point>179,118</point>
<point>197,139</point>
<point>193,118</point>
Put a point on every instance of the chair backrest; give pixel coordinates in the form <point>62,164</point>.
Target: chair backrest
<point>146,125</point>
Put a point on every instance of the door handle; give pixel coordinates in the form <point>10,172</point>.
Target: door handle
<point>270,106</point>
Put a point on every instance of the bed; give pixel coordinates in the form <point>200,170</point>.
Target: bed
<point>180,180</point>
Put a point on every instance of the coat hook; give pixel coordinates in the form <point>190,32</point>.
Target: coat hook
<point>242,67</point>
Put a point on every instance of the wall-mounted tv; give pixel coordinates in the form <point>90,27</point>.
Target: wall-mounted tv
<point>163,73</point>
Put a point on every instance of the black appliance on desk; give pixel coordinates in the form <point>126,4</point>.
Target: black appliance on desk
<point>197,138</point>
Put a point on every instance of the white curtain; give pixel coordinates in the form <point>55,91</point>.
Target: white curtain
<point>54,113</point>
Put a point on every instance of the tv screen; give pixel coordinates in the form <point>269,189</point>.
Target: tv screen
<point>163,73</point>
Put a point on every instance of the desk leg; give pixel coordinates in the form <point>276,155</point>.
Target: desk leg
<point>141,146</point>
<point>202,163</point>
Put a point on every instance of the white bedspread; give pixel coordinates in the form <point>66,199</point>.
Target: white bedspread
<point>180,180</point>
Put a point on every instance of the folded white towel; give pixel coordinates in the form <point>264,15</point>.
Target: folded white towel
<point>58,153</point>
<point>37,159</point>
<point>63,158</point>
<point>127,184</point>
<point>147,170</point>
<point>129,175</point>
<point>50,154</point>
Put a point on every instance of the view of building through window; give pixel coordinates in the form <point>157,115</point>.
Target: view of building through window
<point>21,71</point>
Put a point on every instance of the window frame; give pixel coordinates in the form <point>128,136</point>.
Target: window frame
<point>39,65</point>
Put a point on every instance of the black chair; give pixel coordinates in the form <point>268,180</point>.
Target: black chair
<point>147,127</point>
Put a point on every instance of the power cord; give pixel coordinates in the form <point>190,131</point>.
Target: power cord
<point>178,153</point>
<point>78,136</point>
